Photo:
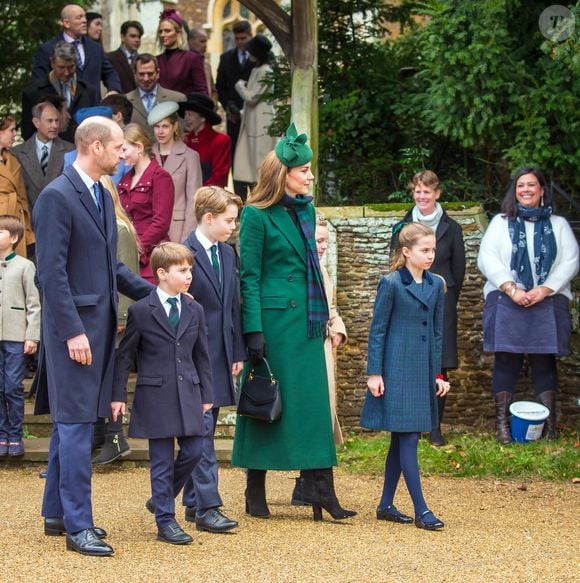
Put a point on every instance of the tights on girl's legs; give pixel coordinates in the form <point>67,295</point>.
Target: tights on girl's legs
<point>402,458</point>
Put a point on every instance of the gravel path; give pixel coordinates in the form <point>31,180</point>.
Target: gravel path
<point>495,531</point>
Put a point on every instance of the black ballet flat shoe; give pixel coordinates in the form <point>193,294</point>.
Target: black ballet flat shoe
<point>391,514</point>
<point>436,525</point>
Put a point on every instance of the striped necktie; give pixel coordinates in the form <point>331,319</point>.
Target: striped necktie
<point>44,159</point>
<point>80,64</point>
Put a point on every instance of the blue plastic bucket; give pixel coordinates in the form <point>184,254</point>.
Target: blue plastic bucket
<point>528,420</point>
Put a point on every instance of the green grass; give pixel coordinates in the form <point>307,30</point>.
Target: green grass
<point>469,455</point>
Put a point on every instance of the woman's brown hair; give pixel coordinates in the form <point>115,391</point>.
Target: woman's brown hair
<point>271,184</point>
<point>136,134</point>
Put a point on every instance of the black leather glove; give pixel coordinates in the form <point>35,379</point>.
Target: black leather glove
<point>256,347</point>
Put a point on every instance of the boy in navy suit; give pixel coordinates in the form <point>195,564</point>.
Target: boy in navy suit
<point>167,333</point>
<point>215,286</point>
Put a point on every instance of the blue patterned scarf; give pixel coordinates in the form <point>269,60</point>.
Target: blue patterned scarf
<point>317,303</point>
<point>544,245</point>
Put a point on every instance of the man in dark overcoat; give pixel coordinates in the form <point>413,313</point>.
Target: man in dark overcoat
<point>79,275</point>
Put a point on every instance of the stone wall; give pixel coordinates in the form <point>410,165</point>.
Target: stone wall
<point>358,257</point>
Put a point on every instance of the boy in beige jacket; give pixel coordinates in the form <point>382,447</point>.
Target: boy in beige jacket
<point>19,332</point>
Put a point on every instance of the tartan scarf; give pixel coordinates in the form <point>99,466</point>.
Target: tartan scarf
<point>317,305</point>
<point>544,245</point>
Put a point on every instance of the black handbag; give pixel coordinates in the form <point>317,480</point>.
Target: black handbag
<point>260,397</point>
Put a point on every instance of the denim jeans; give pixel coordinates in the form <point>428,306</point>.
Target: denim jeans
<point>11,390</point>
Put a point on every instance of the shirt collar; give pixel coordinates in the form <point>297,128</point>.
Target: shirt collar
<point>152,92</point>
<point>163,296</point>
<point>40,144</point>
<point>89,182</point>
<point>205,242</point>
<point>70,39</point>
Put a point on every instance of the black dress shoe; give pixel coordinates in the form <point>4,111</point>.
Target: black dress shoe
<point>431,525</point>
<point>213,520</point>
<point>55,527</point>
<point>173,534</point>
<point>86,542</point>
<point>391,514</point>
<point>150,505</point>
<point>190,513</point>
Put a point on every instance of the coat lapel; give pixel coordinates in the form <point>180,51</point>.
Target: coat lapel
<point>32,165</point>
<point>442,227</point>
<point>174,160</point>
<point>407,280</point>
<point>204,264</point>
<point>85,197</point>
<point>185,317</point>
<point>158,312</point>
<point>284,224</point>
<point>228,271</point>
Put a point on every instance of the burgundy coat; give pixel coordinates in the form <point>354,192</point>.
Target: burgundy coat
<point>182,71</point>
<point>149,205</point>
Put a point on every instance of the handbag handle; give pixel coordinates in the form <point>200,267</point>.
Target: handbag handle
<point>251,373</point>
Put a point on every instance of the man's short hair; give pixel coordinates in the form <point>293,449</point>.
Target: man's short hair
<point>13,225</point>
<point>93,129</point>
<point>131,24</point>
<point>167,254</point>
<point>145,58</point>
<point>119,104</point>
<point>65,51</point>
<point>195,32</point>
<point>41,106</point>
<point>243,26</point>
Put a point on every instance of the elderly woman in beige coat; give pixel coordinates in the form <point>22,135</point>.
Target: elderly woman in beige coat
<point>254,143</point>
<point>181,162</point>
<point>336,335</point>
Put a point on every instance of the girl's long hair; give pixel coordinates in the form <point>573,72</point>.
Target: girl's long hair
<point>409,235</point>
<point>120,213</point>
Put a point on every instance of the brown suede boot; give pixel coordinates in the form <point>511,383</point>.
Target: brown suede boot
<point>503,401</point>
<point>548,399</point>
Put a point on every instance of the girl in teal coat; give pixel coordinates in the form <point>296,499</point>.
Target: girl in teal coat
<point>404,367</point>
<point>284,313</point>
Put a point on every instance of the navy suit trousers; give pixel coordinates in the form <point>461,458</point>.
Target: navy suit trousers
<point>168,476</point>
<point>67,492</point>
<point>201,489</point>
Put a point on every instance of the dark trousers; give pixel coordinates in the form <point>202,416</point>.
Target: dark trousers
<point>201,488</point>
<point>168,476</point>
<point>11,390</point>
<point>508,365</point>
<point>67,492</point>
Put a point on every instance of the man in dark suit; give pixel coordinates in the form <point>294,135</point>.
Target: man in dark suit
<point>79,274</point>
<point>92,65</point>
<point>123,58</point>
<point>42,155</point>
<point>148,93</point>
<point>234,65</point>
<point>62,80</point>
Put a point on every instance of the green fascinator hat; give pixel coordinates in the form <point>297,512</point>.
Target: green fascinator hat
<point>292,150</point>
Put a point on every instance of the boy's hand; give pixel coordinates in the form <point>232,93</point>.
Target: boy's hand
<point>237,368</point>
<point>376,385</point>
<point>117,408</point>
<point>30,346</point>
<point>79,349</point>
<point>205,407</point>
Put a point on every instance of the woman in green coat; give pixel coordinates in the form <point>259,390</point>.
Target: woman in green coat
<point>284,314</point>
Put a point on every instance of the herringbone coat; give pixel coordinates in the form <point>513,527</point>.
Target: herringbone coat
<point>405,342</point>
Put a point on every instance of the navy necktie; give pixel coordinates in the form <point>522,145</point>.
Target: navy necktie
<point>80,64</point>
<point>215,264</point>
<point>173,313</point>
<point>99,199</point>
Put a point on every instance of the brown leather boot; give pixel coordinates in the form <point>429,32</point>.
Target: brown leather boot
<point>548,399</point>
<point>503,401</point>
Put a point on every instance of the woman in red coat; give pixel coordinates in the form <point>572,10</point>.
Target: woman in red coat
<point>179,69</point>
<point>147,195</point>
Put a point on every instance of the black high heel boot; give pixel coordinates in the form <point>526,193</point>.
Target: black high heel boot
<point>256,505</point>
<point>298,496</point>
<point>324,496</point>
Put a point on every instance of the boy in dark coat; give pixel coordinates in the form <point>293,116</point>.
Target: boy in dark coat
<point>167,334</point>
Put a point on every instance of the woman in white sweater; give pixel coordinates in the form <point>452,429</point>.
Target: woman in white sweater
<point>529,257</point>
